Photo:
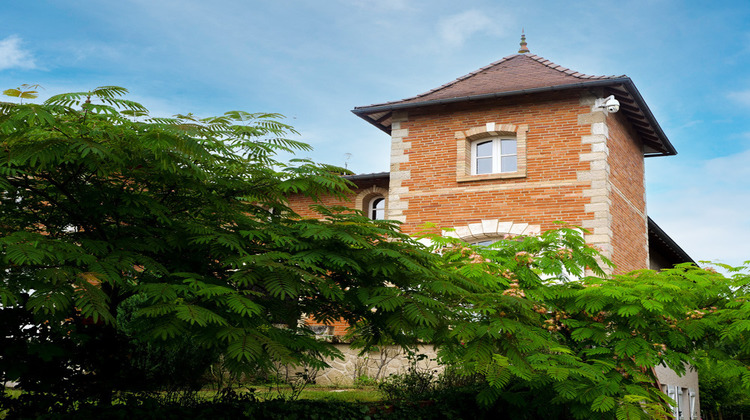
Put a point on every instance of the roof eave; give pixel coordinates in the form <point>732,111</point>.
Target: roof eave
<point>400,105</point>
<point>668,242</point>
<point>361,177</point>
<point>666,150</point>
<point>669,148</point>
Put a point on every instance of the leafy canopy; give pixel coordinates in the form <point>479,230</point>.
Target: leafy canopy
<point>186,219</point>
<point>100,203</point>
<point>551,341</point>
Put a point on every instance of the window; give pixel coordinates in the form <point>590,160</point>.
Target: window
<point>491,151</point>
<point>373,202</point>
<point>494,156</point>
<point>376,209</point>
<point>484,243</point>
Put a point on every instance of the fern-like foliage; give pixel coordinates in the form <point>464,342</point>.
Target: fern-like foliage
<point>102,205</point>
<point>532,321</point>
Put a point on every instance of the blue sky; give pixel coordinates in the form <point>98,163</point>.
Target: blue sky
<point>315,60</point>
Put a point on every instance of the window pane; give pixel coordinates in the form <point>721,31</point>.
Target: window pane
<point>508,164</point>
<point>508,147</point>
<point>377,208</point>
<point>484,149</point>
<point>484,165</point>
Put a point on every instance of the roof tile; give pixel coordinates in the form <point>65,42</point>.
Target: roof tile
<point>512,73</point>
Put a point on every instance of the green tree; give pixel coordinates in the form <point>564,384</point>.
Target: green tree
<point>550,341</point>
<point>100,203</point>
<point>182,226</point>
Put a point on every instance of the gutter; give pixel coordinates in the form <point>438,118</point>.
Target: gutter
<point>359,177</point>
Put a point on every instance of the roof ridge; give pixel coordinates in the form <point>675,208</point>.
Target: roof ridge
<point>554,66</point>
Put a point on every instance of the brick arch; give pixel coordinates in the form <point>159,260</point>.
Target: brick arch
<point>493,228</point>
<point>364,197</point>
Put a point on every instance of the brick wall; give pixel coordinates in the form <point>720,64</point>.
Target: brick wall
<point>550,190</point>
<point>301,204</point>
<point>628,197</point>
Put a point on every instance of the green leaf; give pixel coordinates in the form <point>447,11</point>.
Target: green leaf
<point>194,314</point>
<point>603,403</point>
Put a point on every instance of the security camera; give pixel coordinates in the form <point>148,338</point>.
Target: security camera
<point>612,104</point>
<point>609,103</point>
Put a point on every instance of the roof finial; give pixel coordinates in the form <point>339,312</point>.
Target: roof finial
<point>524,48</point>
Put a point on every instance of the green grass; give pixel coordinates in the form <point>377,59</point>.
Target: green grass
<point>349,395</point>
<point>368,393</point>
<point>323,393</point>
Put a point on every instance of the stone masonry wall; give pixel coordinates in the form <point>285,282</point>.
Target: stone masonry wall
<point>375,365</point>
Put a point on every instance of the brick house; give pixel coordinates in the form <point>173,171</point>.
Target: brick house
<point>517,145</point>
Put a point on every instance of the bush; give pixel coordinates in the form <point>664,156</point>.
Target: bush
<point>413,385</point>
<point>246,406</point>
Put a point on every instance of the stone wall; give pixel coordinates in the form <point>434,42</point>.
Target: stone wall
<point>375,365</point>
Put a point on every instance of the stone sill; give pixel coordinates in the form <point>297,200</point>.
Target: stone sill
<point>507,175</point>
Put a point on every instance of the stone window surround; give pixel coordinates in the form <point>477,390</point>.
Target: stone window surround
<point>491,229</point>
<point>365,197</point>
<point>464,140</point>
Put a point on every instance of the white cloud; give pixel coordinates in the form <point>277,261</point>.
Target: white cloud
<point>732,170</point>
<point>741,97</point>
<point>13,56</point>
<point>455,30</point>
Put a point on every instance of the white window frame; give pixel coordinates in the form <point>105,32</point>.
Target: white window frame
<point>467,140</point>
<point>371,209</point>
<point>673,394</point>
<point>496,157</point>
<point>693,413</point>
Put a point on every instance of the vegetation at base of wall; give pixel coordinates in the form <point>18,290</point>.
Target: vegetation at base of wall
<point>133,246</point>
<point>244,405</point>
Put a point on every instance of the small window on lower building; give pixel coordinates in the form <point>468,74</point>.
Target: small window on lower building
<point>376,209</point>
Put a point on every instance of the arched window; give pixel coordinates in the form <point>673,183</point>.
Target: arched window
<point>376,208</point>
<point>373,202</point>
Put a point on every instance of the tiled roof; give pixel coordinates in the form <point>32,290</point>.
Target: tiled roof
<point>513,73</point>
<point>527,73</point>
